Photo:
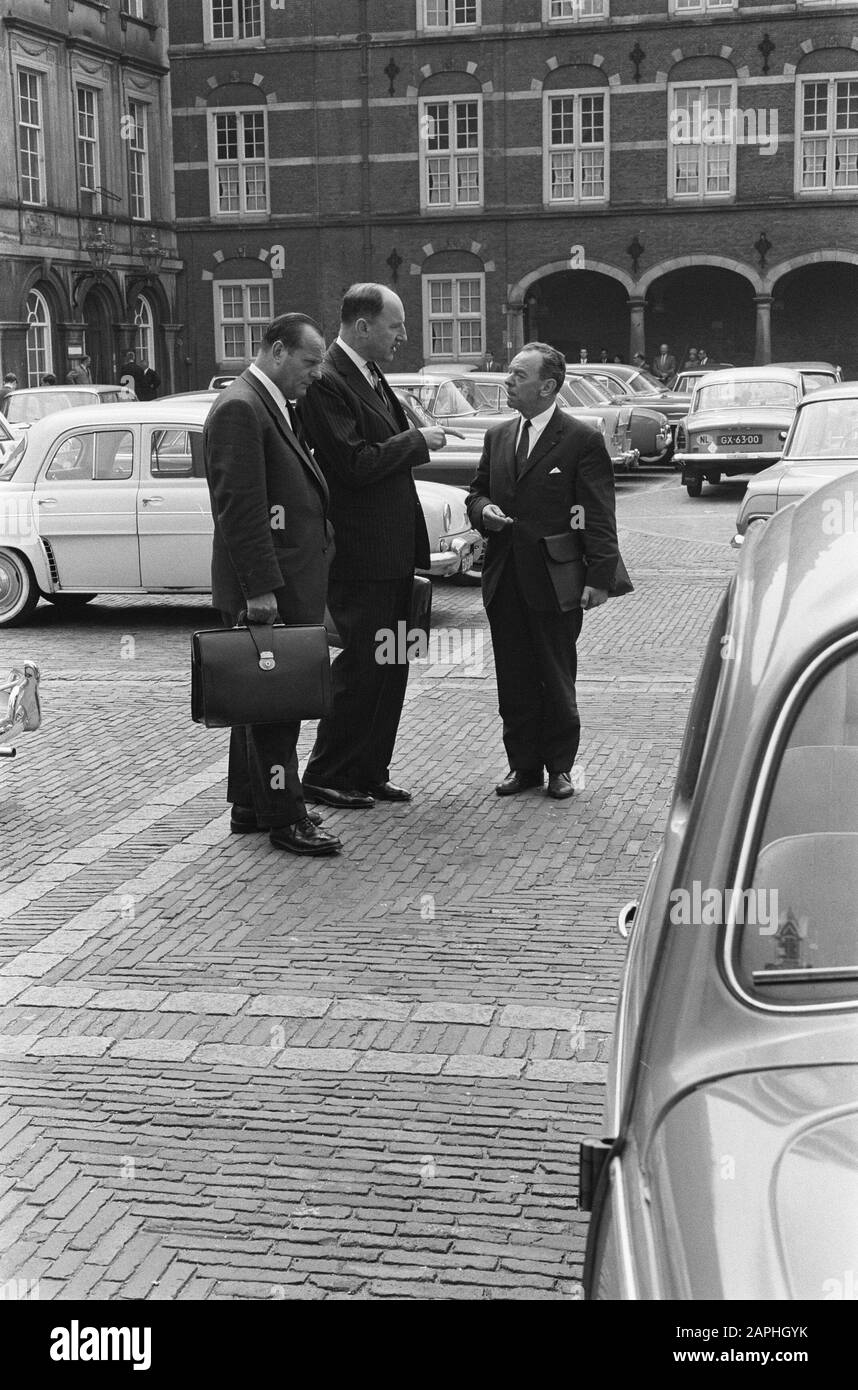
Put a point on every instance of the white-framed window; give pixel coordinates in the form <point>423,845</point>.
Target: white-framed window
<point>88,148</point>
<point>144,330</point>
<point>448,14</point>
<point>575,141</point>
<point>31,136</point>
<point>454,320</point>
<point>451,152</point>
<point>232,21</point>
<point>700,6</point>
<point>827,145</point>
<point>138,159</point>
<point>134,8</point>
<point>243,310</point>
<point>702,133</point>
<point>238,159</point>
<point>40,352</point>
<point>554,11</point>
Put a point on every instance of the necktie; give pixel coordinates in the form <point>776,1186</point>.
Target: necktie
<point>377,384</point>
<point>523,448</point>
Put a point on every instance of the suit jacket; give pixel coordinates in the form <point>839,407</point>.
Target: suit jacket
<point>255,464</point>
<point>664,367</point>
<point>367,451</point>
<point>568,467</point>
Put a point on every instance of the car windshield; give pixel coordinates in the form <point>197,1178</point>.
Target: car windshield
<point>643,384</point>
<point>825,429</point>
<point>798,942</point>
<point>816,381</point>
<point>686,382</point>
<point>413,407</point>
<point>24,408</point>
<point>441,398</point>
<point>579,390</point>
<point>742,395</point>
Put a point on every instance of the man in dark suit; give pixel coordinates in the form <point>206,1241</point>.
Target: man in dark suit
<point>664,365</point>
<point>542,474</point>
<point>366,449</point>
<point>272,548</point>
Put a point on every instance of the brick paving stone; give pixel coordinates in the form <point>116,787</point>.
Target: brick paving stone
<point>555,1070</point>
<point>316,1058</point>
<point>137,999</point>
<point>476,1065</point>
<point>289,1006</point>
<point>32,963</point>
<point>200,1002</point>
<point>154,1049</point>
<point>370,1009</point>
<point>424,1063</point>
<point>81,1046</point>
<point>13,986</point>
<point>449,1011</point>
<point>518,1016</point>
<point>57,996</point>
<point>12,1045</point>
<point>234,1055</point>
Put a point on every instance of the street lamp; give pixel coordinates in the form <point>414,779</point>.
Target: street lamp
<point>153,255</point>
<point>100,251</point>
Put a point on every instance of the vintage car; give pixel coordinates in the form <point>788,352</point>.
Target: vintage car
<point>479,400</point>
<point>816,376</point>
<point>457,462</point>
<point>726,1165</point>
<point>736,424</point>
<point>113,499</point>
<point>649,429</point>
<point>628,383</point>
<point>28,403</point>
<point>20,709</point>
<point>822,444</point>
<point>685,381</point>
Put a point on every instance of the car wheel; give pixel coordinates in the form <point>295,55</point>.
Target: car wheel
<point>694,487</point>
<point>70,601</point>
<point>18,592</point>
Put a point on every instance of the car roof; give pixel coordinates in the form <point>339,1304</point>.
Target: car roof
<point>844,390</point>
<point>122,414</point>
<point>770,373</point>
<point>807,366</point>
<point>85,388</point>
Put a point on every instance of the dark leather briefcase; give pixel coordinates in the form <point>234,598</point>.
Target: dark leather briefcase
<point>260,674</point>
<point>566,570</point>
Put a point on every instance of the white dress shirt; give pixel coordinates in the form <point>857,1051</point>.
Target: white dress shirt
<point>360,362</point>
<point>276,395</point>
<point>537,425</point>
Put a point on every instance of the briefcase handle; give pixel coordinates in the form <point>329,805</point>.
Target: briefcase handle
<point>262,636</point>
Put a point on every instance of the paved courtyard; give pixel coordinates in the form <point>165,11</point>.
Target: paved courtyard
<point>232,1073</point>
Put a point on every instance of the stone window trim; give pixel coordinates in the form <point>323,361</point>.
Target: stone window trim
<point>454,315</point>
<point>593,118</point>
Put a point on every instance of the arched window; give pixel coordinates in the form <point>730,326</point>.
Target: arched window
<point>40,353</point>
<point>144,334</point>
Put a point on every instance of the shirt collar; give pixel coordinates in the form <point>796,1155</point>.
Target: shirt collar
<point>361,362</point>
<point>274,391</point>
<point>538,422</point>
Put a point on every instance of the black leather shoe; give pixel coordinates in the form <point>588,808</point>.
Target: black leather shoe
<point>560,785</point>
<point>304,838</point>
<point>349,799</point>
<point>242,820</point>
<point>518,781</point>
<point>386,791</point>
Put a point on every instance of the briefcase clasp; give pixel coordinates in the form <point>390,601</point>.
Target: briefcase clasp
<point>266,661</point>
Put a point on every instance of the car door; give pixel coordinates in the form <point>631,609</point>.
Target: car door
<point>174,517</point>
<point>86,507</point>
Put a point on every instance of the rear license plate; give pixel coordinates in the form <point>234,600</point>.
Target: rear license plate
<point>740,439</point>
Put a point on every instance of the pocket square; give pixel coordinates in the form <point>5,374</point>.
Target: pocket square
<point>554,470</point>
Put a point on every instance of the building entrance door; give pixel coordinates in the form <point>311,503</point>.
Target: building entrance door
<point>99,336</point>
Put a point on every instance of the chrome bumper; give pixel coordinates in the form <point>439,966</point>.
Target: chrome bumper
<point>461,553</point>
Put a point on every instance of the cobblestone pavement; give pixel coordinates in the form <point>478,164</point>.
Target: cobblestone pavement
<point>232,1073</point>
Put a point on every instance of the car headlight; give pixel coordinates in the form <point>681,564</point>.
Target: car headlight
<point>447,517</point>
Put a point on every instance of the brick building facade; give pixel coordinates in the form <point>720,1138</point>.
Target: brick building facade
<point>577,170</point>
<point>86,188</point>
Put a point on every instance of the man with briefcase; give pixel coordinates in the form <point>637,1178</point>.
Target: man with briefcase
<point>273,544</point>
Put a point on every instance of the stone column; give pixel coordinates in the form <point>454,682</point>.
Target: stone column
<point>514,330</point>
<point>763,345</point>
<point>637,325</point>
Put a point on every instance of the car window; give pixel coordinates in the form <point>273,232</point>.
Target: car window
<point>825,429</point>
<point>26,406</point>
<point>816,381</point>
<point>737,394</point>
<point>176,453</point>
<point>798,943</point>
<point>454,398</point>
<point>579,392</point>
<point>92,456</point>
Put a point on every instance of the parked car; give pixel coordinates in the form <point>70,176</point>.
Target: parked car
<point>736,424</point>
<point>624,382</point>
<point>649,429</point>
<point>20,709</point>
<point>457,462</point>
<point>816,376</point>
<point>29,403</point>
<point>479,400</point>
<point>822,444</point>
<point>113,499</point>
<point>726,1164</point>
<point>684,382</point>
